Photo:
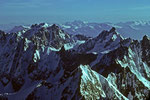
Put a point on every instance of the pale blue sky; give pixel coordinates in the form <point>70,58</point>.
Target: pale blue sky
<point>58,11</point>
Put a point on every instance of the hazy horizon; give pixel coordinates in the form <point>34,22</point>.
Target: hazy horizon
<point>60,11</point>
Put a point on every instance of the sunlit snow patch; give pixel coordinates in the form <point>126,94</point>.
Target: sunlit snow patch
<point>36,56</point>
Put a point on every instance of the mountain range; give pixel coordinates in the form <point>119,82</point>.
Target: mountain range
<point>133,29</point>
<point>56,62</point>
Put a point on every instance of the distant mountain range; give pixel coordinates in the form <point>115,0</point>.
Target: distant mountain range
<point>45,62</point>
<point>133,29</point>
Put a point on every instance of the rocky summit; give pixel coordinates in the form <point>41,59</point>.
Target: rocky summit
<point>44,62</point>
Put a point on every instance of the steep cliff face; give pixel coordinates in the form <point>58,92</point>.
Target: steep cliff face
<point>129,68</point>
<point>44,62</point>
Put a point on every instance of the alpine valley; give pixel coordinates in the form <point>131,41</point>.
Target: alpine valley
<point>45,62</point>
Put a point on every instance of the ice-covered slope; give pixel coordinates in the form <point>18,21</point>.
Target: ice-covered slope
<point>46,63</point>
<point>94,86</point>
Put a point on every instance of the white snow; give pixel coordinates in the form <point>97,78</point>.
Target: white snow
<point>91,27</point>
<point>45,25</point>
<point>26,45</point>
<point>49,49</point>
<point>65,26</point>
<point>62,35</point>
<point>140,22</point>
<point>76,27</point>
<point>36,56</point>
<point>114,37</point>
<point>112,79</point>
<point>74,45</point>
<point>147,69</point>
<point>68,46</point>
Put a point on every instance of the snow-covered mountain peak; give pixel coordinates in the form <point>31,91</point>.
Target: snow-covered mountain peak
<point>50,35</point>
<point>40,25</point>
<point>56,29</point>
<point>54,26</point>
<point>44,25</point>
<point>107,35</point>
<point>112,30</point>
<point>146,37</point>
<point>105,41</point>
